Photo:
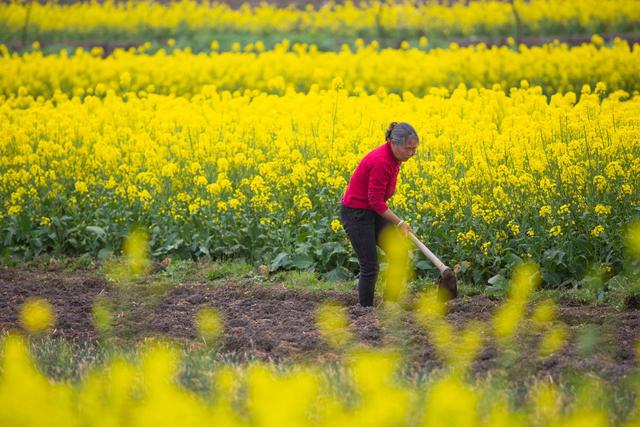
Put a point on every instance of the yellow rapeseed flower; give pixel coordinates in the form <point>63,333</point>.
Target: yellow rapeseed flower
<point>332,321</point>
<point>597,231</point>
<point>102,316</point>
<point>632,239</point>
<point>552,341</point>
<point>555,231</point>
<point>208,324</point>
<point>81,187</point>
<point>399,269</point>
<point>602,210</point>
<point>544,211</point>
<point>36,315</point>
<point>597,40</point>
<point>544,313</point>
<point>136,251</point>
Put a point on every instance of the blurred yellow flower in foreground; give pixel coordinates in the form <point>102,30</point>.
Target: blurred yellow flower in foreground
<point>544,313</point>
<point>399,271</point>
<point>633,239</point>
<point>102,316</point>
<point>209,324</point>
<point>450,402</point>
<point>36,315</point>
<point>552,341</point>
<point>136,251</point>
<point>526,279</point>
<point>332,321</point>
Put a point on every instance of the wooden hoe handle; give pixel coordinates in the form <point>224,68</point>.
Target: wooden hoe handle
<point>425,250</point>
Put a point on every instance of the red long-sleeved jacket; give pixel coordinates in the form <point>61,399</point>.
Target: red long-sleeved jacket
<point>374,181</point>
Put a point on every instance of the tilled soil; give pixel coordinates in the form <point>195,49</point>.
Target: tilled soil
<point>71,296</point>
<point>275,323</point>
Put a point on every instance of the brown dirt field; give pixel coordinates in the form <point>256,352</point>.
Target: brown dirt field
<point>275,323</point>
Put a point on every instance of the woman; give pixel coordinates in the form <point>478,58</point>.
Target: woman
<point>364,211</point>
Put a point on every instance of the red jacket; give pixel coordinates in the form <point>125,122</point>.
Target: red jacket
<point>374,181</point>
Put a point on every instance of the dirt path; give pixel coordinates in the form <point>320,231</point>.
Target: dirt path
<point>271,322</point>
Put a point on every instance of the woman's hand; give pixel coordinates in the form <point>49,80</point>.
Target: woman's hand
<point>405,228</point>
<point>397,222</point>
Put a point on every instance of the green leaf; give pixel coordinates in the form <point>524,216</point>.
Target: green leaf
<point>497,280</point>
<point>424,265</point>
<point>555,255</point>
<point>331,248</point>
<point>512,259</point>
<point>499,285</point>
<point>10,234</point>
<point>96,230</point>
<point>551,277</point>
<point>302,261</point>
<point>477,275</point>
<point>618,282</point>
<point>204,249</point>
<point>104,253</point>
<point>282,260</point>
<point>338,274</point>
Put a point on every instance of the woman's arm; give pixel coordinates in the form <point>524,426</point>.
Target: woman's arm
<point>378,180</point>
<point>390,216</point>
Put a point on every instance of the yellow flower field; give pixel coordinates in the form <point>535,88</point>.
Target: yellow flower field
<point>498,178</point>
<point>555,67</point>
<point>199,168</point>
<point>348,18</point>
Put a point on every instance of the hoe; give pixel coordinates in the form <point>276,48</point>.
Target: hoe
<point>447,285</point>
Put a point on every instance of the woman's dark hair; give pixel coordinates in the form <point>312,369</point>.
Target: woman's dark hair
<point>398,133</point>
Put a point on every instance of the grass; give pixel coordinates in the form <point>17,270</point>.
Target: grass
<point>309,281</point>
<point>232,269</point>
<point>53,262</point>
<point>622,293</point>
<point>179,270</point>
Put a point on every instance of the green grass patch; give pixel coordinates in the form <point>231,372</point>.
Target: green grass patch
<point>310,281</point>
<point>234,269</point>
<point>179,270</point>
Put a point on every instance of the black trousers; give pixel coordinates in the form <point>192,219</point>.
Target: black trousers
<point>363,228</point>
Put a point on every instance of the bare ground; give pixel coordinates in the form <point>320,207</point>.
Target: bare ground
<point>275,323</point>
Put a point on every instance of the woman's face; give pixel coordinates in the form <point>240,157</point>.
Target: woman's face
<point>407,150</point>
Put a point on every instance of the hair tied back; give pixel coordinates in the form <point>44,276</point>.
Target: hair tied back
<point>387,134</point>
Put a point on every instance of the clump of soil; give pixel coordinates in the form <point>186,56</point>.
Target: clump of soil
<point>70,294</point>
